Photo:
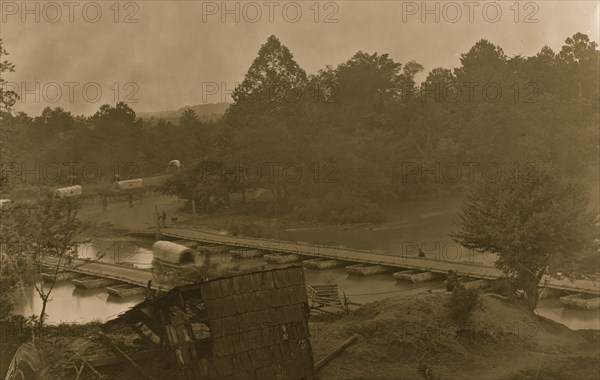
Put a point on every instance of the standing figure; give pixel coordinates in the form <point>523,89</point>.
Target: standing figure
<point>104,203</point>
<point>451,280</point>
<point>164,219</point>
<point>421,253</point>
<point>130,200</point>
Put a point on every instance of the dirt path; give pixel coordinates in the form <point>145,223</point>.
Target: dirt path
<point>139,217</point>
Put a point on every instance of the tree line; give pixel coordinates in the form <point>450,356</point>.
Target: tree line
<point>337,144</point>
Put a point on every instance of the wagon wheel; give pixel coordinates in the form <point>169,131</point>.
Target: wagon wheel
<point>158,273</point>
<point>158,277</point>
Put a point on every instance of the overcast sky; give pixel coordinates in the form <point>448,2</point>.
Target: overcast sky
<point>176,46</point>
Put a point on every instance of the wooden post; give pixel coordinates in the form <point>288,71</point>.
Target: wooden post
<point>144,337</point>
<point>336,352</point>
<point>194,210</point>
<point>79,370</point>
<point>157,219</point>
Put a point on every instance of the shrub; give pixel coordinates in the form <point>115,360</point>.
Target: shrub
<point>503,286</point>
<point>338,208</point>
<point>462,303</point>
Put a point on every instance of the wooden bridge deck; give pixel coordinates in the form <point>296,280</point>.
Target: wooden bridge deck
<point>125,274</point>
<point>469,269</point>
<point>136,276</point>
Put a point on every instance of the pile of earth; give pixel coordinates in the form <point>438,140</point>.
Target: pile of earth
<point>412,337</point>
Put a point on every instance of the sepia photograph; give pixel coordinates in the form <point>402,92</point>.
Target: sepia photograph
<point>299,190</point>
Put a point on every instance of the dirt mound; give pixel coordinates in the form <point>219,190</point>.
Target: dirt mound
<point>413,337</point>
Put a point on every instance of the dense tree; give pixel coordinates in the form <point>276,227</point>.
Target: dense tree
<point>189,119</point>
<point>532,221</point>
<point>33,235</point>
<point>484,62</point>
<point>273,85</point>
<point>53,122</point>
<point>119,117</point>
<point>208,183</point>
<point>579,61</point>
<point>266,132</point>
<point>7,98</point>
<point>352,127</point>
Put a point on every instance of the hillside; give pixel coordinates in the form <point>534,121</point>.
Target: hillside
<point>412,337</point>
<point>206,112</point>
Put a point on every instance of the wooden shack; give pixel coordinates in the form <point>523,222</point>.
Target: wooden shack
<point>257,326</point>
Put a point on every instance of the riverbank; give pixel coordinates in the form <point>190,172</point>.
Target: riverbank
<point>410,225</point>
<point>251,220</point>
<point>407,336</point>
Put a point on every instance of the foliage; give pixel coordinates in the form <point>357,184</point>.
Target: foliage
<point>462,303</point>
<point>338,208</point>
<point>208,183</point>
<point>272,86</point>
<point>363,128</point>
<point>9,281</point>
<point>7,98</point>
<point>534,221</point>
<point>33,235</point>
<point>189,119</point>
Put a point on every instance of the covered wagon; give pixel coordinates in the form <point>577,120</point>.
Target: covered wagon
<point>5,204</point>
<point>67,192</point>
<point>176,264</point>
<point>174,164</point>
<point>129,184</point>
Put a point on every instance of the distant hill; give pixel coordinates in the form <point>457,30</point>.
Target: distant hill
<point>206,113</point>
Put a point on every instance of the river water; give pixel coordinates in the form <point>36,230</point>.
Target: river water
<point>426,225</point>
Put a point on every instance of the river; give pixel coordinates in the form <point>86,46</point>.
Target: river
<point>412,225</point>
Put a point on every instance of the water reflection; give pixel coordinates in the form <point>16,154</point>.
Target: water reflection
<point>74,305</point>
<point>366,289</point>
<point>78,305</point>
<point>138,253</point>
<point>574,319</point>
<point>425,225</point>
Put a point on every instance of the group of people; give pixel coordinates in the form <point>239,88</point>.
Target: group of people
<point>162,219</point>
<point>104,200</point>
